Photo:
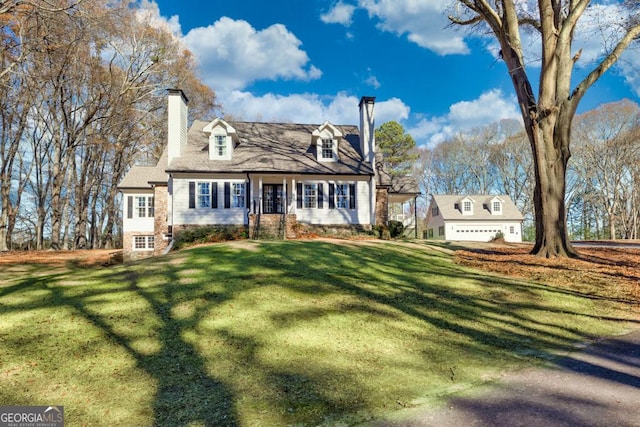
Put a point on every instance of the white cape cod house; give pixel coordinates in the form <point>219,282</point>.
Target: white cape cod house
<point>263,178</point>
<point>476,218</point>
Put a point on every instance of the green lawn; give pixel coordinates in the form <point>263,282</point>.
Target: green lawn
<point>274,333</point>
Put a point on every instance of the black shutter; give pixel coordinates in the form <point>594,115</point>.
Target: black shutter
<point>352,196</point>
<point>227,195</point>
<point>320,196</point>
<point>192,195</point>
<point>130,207</point>
<point>299,195</point>
<point>247,194</point>
<point>332,196</point>
<point>214,195</point>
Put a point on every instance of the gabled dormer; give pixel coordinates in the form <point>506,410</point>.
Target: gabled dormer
<point>222,139</point>
<point>495,205</point>
<point>327,139</point>
<point>465,205</point>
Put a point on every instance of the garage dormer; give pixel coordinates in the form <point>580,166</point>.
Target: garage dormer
<point>327,139</point>
<point>465,205</point>
<point>495,205</point>
<point>222,139</point>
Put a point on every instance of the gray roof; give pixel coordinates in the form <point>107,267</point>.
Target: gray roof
<point>139,176</point>
<point>269,148</point>
<point>447,205</point>
<point>272,148</point>
<point>404,185</point>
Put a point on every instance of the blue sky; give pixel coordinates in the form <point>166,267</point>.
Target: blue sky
<point>311,60</point>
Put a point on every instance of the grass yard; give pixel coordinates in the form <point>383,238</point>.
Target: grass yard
<point>276,333</point>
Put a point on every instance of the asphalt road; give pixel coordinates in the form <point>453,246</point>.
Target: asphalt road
<point>598,386</point>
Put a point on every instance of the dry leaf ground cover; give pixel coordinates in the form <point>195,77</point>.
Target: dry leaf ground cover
<point>608,273</point>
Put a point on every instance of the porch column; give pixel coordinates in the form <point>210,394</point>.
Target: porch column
<point>260,195</point>
<point>415,214</point>
<point>284,194</point>
<point>294,196</point>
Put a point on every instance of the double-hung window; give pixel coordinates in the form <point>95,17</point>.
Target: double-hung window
<point>497,206</point>
<point>144,206</point>
<point>327,148</point>
<point>467,206</point>
<point>238,195</point>
<point>220,145</point>
<point>204,195</point>
<point>310,195</point>
<point>342,196</point>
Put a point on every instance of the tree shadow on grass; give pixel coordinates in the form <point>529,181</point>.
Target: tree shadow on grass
<point>379,283</point>
<point>186,393</point>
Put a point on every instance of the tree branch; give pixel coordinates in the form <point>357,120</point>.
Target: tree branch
<point>474,20</point>
<point>632,34</point>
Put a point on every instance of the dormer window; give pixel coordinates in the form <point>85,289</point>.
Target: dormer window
<point>497,207</point>
<point>327,149</point>
<point>222,139</point>
<point>326,139</point>
<point>220,145</point>
<point>466,206</point>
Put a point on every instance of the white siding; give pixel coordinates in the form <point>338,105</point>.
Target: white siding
<point>483,231</point>
<point>136,223</point>
<point>337,216</point>
<point>183,215</point>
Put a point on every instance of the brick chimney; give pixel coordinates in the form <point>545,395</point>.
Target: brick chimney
<point>176,123</point>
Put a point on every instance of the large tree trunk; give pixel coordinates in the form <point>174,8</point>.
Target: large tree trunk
<point>552,237</point>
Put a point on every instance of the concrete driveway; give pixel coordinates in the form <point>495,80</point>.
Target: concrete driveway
<point>598,386</point>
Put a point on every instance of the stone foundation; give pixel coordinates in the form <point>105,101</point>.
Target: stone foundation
<point>160,225</point>
<point>339,231</point>
<point>128,254</point>
<point>382,206</point>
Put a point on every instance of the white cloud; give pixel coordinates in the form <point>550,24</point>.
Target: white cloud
<point>340,13</point>
<point>373,82</point>
<point>308,108</point>
<point>424,21</point>
<point>149,13</point>
<point>490,107</point>
<point>232,54</point>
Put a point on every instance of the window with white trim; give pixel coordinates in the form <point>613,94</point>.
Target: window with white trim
<point>310,195</point>
<point>497,206</point>
<point>220,145</point>
<point>466,206</point>
<point>512,229</point>
<point>204,194</point>
<point>141,243</point>
<point>342,196</point>
<point>144,206</point>
<point>327,149</point>
<point>237,195</point>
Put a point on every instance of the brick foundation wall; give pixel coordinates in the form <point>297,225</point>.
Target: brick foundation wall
<point>128,254</point>
<point>266,226</point>
<point>160,195</point>
<point>382,206</point>
<point>338,230</point>
<point>210,233</point>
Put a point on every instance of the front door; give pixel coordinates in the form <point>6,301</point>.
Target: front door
<point>272,198</point>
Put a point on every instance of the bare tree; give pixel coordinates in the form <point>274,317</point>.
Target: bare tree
<point>547,117</point>
<point>605,157</point>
